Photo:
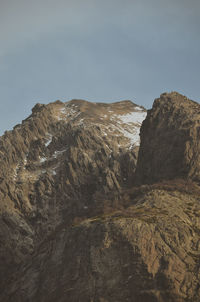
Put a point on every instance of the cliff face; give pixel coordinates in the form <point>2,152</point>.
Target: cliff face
<point>170,145</point>
<point>74,227</point>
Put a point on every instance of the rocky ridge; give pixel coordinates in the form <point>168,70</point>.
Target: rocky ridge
<point>83,230</point>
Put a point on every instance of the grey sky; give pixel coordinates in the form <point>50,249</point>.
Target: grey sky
<point>95,50</point>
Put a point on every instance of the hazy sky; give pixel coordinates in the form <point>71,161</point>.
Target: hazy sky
<point>98,50</point>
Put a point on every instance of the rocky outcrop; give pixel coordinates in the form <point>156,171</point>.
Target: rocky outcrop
<point>170,146</point>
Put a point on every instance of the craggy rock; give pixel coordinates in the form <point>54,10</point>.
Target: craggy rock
<point>170,145</point>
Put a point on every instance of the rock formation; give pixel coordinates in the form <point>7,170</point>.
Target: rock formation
<point>170,145</point>
<point>75,227</point>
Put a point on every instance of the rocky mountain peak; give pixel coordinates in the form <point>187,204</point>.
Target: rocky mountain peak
<point>58,164</point>
<point>73,227</point>
<point>170,140</point>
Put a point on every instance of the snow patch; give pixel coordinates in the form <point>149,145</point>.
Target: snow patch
<point>129,125</point>
<point>133,117</point>
<point>138,108</point>
<point>81,122</point>
<point>57,153</point>
<point>68,113</point>
<point>48,142</point>
<point>15,173</point>
<point>63,110</point>
<point>134,137</point>
<point>43,159</point>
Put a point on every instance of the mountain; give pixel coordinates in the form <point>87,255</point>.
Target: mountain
<point>85,217</point>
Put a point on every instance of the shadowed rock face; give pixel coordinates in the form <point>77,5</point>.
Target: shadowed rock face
<point>170,145</point>
<point>74,228</point>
